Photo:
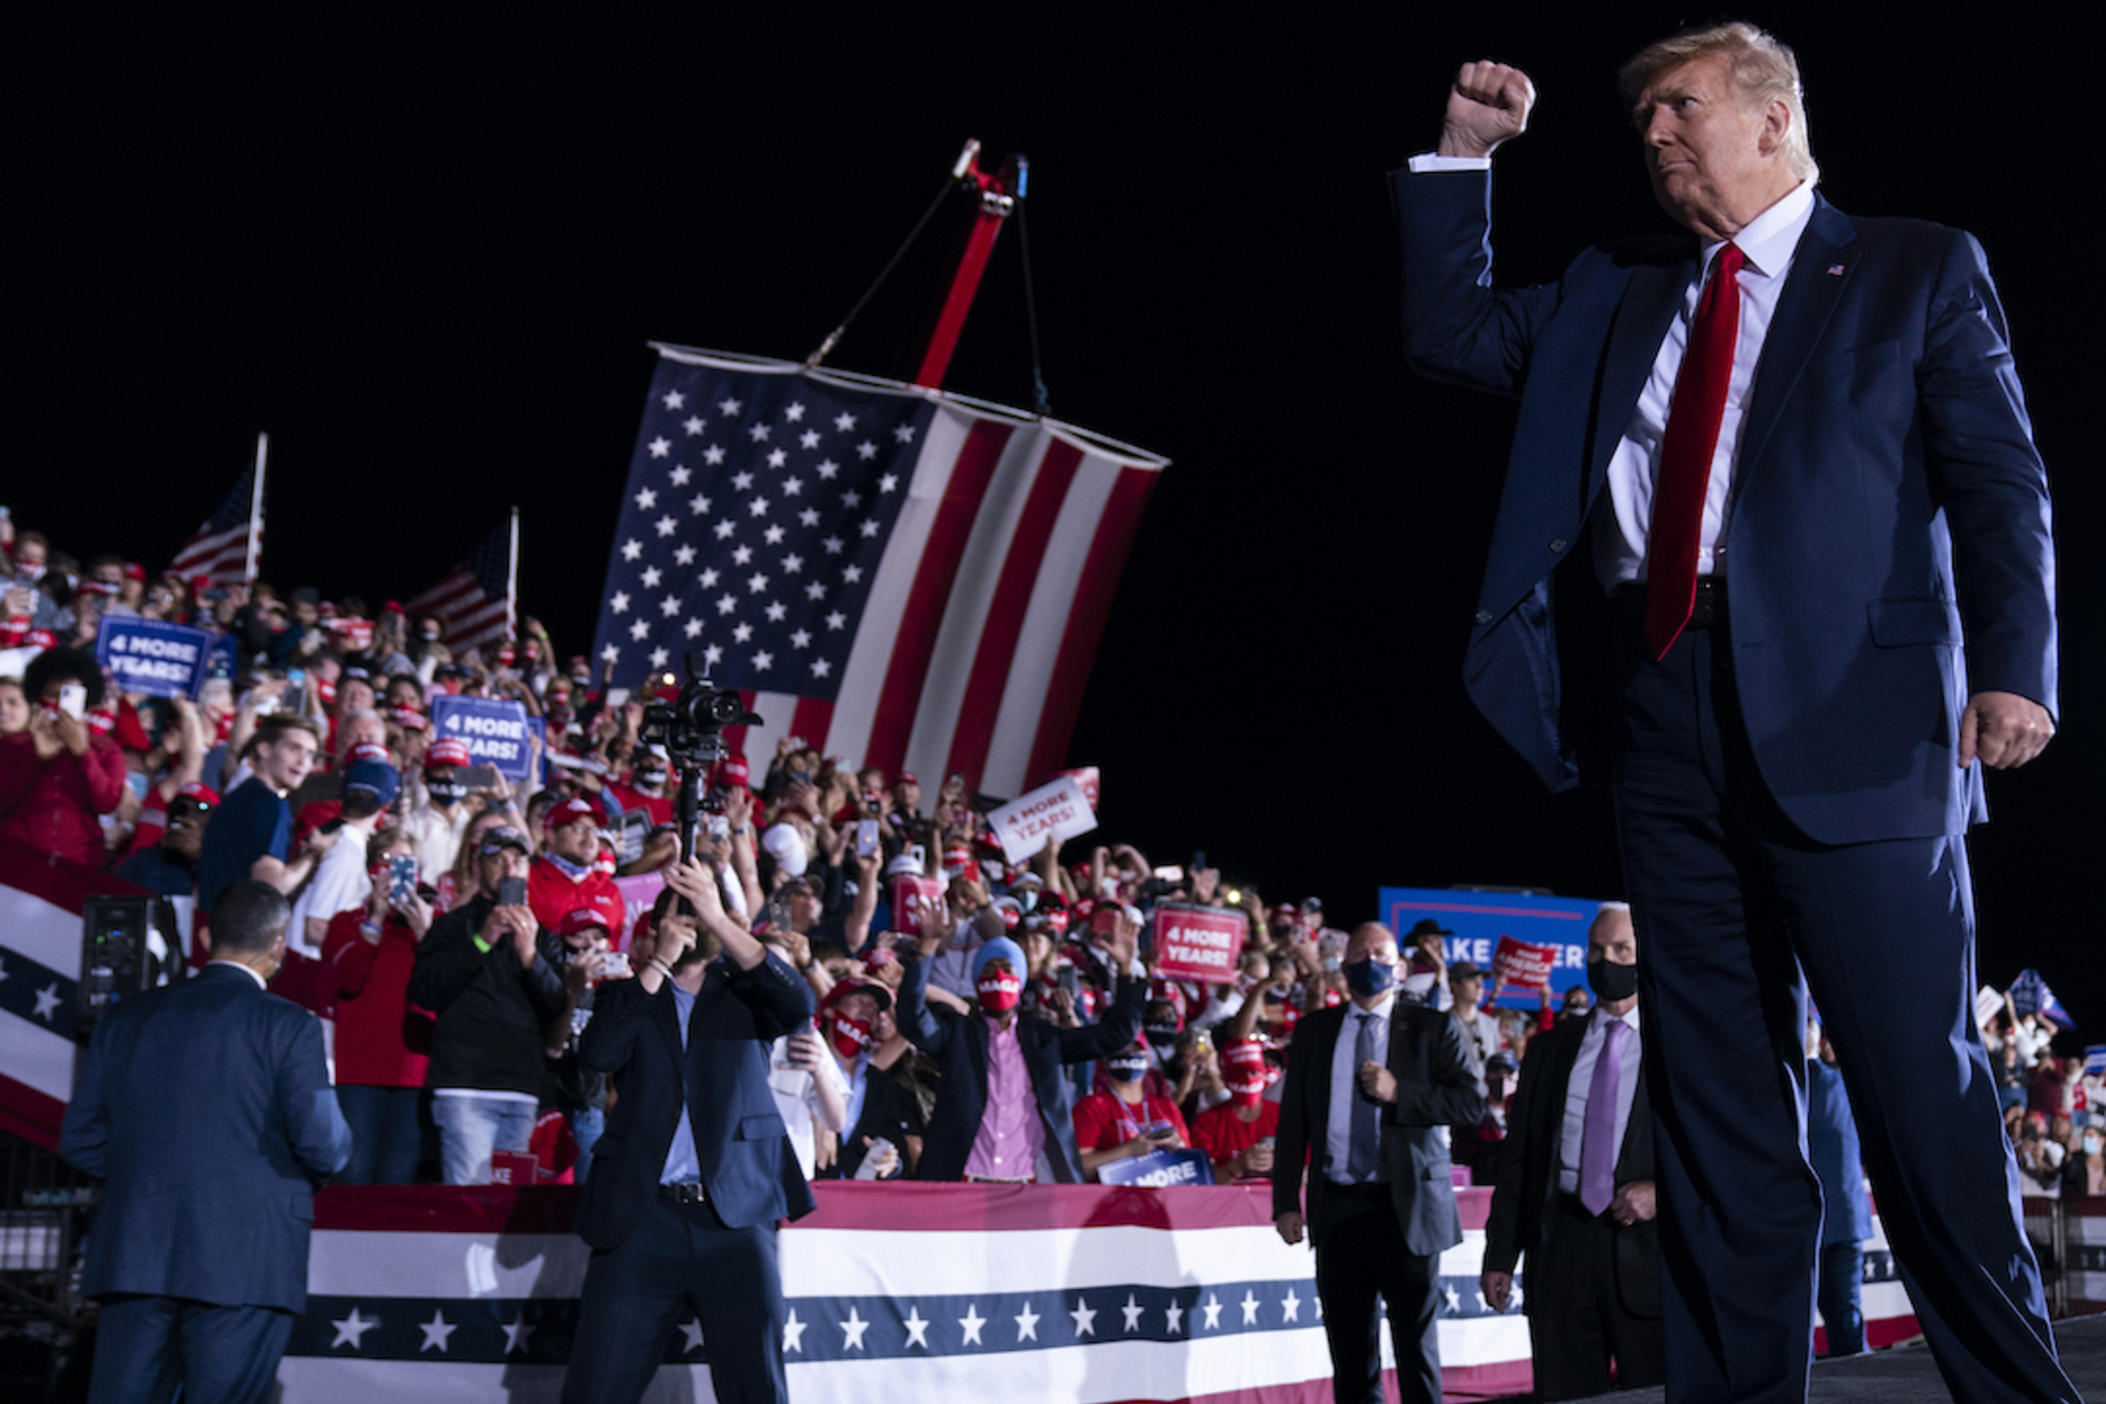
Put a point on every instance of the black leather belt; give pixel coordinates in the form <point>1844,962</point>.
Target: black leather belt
<point>688,1193</point>
<point>1707,611</point>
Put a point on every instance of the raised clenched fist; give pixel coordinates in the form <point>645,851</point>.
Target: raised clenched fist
<point>1489,104</point>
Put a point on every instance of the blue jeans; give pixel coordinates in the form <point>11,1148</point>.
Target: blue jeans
<point>385,1138</point>
<point>472,1126</point>
<point>585,1129</point>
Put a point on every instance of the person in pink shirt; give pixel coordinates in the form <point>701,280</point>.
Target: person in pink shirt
<point>1003,1111</point>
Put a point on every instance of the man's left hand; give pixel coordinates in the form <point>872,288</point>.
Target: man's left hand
<point>2003,730</point>
<point>1633,1203</point>
<point>1378,1082</point>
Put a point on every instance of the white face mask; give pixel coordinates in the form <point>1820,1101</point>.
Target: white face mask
<point>2093,1145</point>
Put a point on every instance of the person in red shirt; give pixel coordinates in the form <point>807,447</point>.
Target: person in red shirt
<point>1126,1122</point>
<point>58,773</point>
<point>646,789</point>
<point>383,1042</point>
<point>1238,1135</point>
<point>565,875</point>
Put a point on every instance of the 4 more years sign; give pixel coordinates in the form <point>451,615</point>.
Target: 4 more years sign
<point>1198,943</point>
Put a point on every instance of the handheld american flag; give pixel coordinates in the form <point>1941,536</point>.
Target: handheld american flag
<point>473,601</point>
<point>900,576</point>
<point>227,545</point>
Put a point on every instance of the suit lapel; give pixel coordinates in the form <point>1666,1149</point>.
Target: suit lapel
<point>1649,303</point>
<point>1810,294</point>
<point>1564,1053</point>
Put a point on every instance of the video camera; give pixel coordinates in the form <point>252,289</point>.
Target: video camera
<point>691,726</point>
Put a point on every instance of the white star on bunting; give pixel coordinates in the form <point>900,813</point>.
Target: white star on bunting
<point>352,1329</point>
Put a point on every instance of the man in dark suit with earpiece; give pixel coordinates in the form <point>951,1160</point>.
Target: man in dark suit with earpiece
<point>1372,1087</point>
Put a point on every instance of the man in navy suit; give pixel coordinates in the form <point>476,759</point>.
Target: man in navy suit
<point>205,1106</point>
<point>1575,1189</point>
<point>695,1168</point>
<point>1793,449</point>
<point>1370,1092</point>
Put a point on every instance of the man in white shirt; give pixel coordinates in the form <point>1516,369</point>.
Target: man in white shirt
<point>436,825</point>
<point>340,881</point>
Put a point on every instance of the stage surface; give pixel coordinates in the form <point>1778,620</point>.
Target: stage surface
<point>1906,1374</point>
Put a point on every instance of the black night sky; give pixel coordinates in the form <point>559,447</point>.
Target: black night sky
<point>426,252</point>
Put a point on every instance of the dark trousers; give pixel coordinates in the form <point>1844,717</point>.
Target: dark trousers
<point>148,1347</point>
<point>1577,1319</point>
<point>1360,1253</point>
<point>1842,1284</point>
<point>1731,904</point>
<point>680,1257</point>
<point>386,1140</point>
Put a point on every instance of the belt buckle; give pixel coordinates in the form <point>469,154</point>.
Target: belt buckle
<point>1704,608</point>
<point>684,1193</point>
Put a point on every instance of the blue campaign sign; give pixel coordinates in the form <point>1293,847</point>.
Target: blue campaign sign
<point>1479,919</point>
<point>225,661</point>
<point>1158,1168</point>
<point>496,731</point>
<point>152,656</point>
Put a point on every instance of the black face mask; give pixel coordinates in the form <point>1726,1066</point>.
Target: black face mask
<point>447,792</point>
<point>1610,981</point>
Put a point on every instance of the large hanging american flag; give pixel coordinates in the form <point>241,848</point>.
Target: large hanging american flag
<point>221,550</point>
<point>473,601</point>
<point>903,577</point>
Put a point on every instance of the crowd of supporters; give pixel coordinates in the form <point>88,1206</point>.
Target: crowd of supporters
<point>451,929</point>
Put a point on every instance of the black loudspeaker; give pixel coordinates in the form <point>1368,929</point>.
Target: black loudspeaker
<point>127,944</point>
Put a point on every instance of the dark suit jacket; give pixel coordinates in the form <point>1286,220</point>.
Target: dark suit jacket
<point>958,1043</point>
<point>748,1169</point>
<point>205,1106</point>
<point>1435,1090</point>
<point>1889,507</point>
<point>1528,1171</point>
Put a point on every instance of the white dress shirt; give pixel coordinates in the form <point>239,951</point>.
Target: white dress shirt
<point>1345,1083</point>
<point>1582,1082</point>
<point>340,882</point>
<point>1770,241</point>
<point>797,1098</point>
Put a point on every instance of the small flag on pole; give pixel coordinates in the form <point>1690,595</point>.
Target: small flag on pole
<point>473,601</point>
<point>226,547</point>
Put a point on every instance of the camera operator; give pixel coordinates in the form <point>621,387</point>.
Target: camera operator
<point>695,1168</point>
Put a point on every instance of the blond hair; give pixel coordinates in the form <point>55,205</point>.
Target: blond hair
<point>1763,68</point>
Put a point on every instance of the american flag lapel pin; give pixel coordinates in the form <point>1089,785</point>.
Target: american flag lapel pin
<point>1835,270</point>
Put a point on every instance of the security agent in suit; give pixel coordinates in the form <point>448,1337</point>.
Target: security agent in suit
<point>1575,1190</point>
<point>1371,1090</point>
<point>1859,616</point>
<point>205,1106</point>
<point>963,1046</point>
<point>695,1168</point>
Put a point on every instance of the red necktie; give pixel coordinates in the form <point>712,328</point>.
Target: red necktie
<point>1685,454</point>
